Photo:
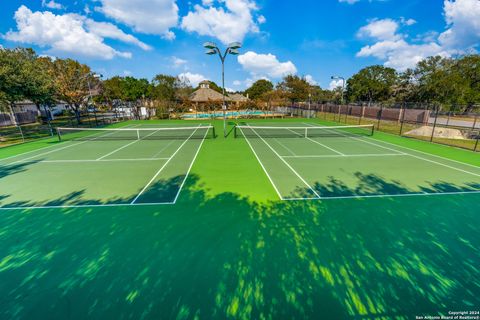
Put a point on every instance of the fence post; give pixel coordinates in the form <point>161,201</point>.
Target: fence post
<point>434,125</point>
<point>402,120</point>
<point>475,122</point>
<point>476,143</point>
<point>379,115</point>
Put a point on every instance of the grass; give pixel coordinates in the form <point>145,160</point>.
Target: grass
<point>230,250</point>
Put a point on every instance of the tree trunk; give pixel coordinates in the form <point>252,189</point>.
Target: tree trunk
<point>76,110</point>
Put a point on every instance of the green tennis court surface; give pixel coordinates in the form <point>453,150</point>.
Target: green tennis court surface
<point>307,161</point>
<point>104,167</point>
<point>385,228</point>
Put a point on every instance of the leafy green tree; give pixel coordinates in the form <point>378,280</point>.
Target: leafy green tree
<point>72,82</point>
<point>296,88</point>
<point>16,68</point>
<point>164,87</point>
<point>259,88</point>
<point>431,78</point>
<point>374,83</point>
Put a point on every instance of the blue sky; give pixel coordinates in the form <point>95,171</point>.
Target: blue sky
<point>310,38</point>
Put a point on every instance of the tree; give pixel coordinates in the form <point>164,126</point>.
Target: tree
<point>16,67</point>
<point>373,83</point>
<point>296,88</point>
<point>72,83</point>
<point>42,90</point>
<point>259,88</point>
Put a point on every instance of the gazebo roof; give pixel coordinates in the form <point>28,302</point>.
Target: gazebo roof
<point>237,97</point>
<point>205,95</point>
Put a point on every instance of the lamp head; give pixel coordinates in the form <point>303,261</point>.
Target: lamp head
<point>235,45</point>
<point>233,52</point>
<point>210,51</point>
<point>209,45</point>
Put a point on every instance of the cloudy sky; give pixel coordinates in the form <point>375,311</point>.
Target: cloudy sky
<point>311,38</point>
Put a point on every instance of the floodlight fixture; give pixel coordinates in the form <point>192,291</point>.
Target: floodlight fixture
<point>209,45</point>
<point>235,45</point>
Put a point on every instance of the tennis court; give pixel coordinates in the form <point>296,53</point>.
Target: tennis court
<point>306,161</point>
<point>132,165</point>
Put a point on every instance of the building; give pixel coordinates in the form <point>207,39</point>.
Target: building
<point>205,96</point>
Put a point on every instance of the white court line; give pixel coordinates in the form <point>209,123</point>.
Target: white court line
<point>321,144</point>
<point>433,155</point>
<point>163,167</point>
<point>126,205</point>
<point>44,153</point>
<point>164,148</point>
<point>288,165</point>
<point>103,160</point>
<point>285,147</point>
<point>403,195</point>
<point>350,155</point>
<point>125,146</point>
<point>414,156</point>
<point>116,150</point>
<point>190,168</point>
<point>263,167</point>
<point>325,146</point>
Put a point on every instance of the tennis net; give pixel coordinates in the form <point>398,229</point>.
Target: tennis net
<point>303,132</point>
<point>165,133</point>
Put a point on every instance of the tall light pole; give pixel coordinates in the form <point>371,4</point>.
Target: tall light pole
<point>232,49</point>
<point>343,84</point>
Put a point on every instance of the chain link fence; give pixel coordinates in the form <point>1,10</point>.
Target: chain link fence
<point>450,128</point>
<point>29,126</point>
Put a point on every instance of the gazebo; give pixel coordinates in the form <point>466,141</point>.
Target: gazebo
<point>205,96</point>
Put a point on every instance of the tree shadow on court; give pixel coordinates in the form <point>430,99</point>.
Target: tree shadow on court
<point>10,169</point>
<point>225,257</point>
<point>375,185</point>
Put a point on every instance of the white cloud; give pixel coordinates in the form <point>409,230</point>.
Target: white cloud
<point>462,18</point>
<point>261,19</point>
<point>193,78</point>
<point>265,65</point>
<point>229,23</point>
<point>177,62</point>
<point>108,30</point>
<point>310,80</point>
<point>335,84</point>
<point>385,29</point>
<point>407,22</point>
<point>462,35</point>
<point>52,4</point>
<point>146,16</point>
<point>68,34</point>
<point>127,73</point>
<point>237,83</point>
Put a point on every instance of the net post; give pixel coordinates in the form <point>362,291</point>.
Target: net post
<point>213,132</point>
<point>373,130</point>
<point>235,134</point>
<point>59,135</point>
